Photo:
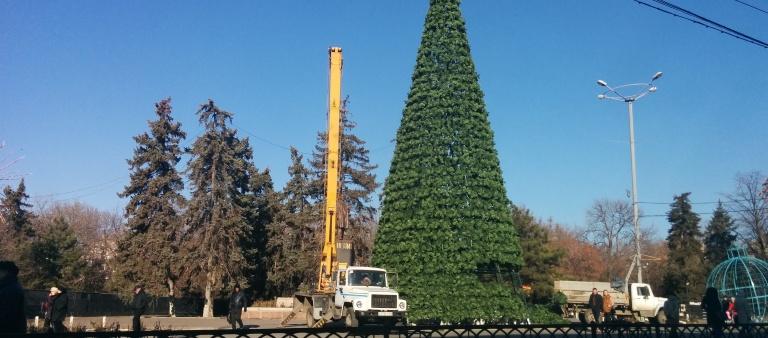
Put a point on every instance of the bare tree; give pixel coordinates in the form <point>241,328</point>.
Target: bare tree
<point>7,161</point>
<point>581,260</point>
<point>609,227</point>
<point>765,190</point>
<point>97,231</point>
<point>749,208</point>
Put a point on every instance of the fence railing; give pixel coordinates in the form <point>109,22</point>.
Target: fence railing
<point>482,331</point>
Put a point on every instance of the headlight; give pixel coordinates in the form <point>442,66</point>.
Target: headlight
<point>359,304</point>
<point>401,305</point>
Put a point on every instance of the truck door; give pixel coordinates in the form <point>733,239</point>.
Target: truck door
<point>642,300</point>
<point>341,282</point>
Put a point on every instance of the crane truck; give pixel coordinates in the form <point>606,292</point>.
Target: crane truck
<point>343,291</point>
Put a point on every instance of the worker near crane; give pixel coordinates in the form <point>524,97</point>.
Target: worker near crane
<point>607,306</point>
<point>596,304</point>
<point>236,306</point>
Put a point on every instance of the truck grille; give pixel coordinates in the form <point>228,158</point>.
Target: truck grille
<point>383,301</point>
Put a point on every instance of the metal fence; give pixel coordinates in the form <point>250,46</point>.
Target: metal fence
<point>485,331</point>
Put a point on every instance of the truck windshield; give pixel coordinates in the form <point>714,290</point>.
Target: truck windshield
<point>367,278</point>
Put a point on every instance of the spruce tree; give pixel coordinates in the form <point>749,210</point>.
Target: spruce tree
<point>55,258</point>
<point>685,275</point>
<point>14,212</point>
<point>358,185</point>
<point>148,252</point>
<point>294,242</point>
<point>539,257</point>
<point>719,236</point>
<point>212,242</point>
<point>445,215</point>
<point>263,204</point>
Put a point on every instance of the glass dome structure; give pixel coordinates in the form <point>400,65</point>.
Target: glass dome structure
<point>742,275</point>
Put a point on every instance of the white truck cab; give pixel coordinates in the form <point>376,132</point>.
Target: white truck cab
<point>643,301</point>
<point>364,293</point>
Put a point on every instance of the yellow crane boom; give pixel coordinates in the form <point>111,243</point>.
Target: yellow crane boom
<point>353,299</point>
<point>329,262</point>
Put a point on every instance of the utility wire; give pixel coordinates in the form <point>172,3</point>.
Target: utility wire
<point>80,189</point>
<point>678,8</point>
<point>275,144</point>
<point>707,213</point>
<point>754,7</point>
<point>724,202</point>
<point>74,198</point>
<point>263,139</point>
<point>703,21</point>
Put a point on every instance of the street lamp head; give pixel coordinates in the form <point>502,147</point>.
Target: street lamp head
<point>600,96</point>
<point>657,76</point>
<point>602,83</point>
<point>652,89</point>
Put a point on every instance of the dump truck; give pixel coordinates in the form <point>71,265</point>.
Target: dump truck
<point>632,302</point>
<point>343,291</point>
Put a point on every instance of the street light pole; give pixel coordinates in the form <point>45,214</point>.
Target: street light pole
<point>636,91</point>
<point>635,211</point>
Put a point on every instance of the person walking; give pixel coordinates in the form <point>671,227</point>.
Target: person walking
<point>45,308</point>
<point>236,306</point>
<point>12,319</point>
<point>730,311</point>
<point>715,314</point>
<point>743,316</point>
<point>596,304</point>
<point>59,309</point>
<point>138,306</point>
<point>607,306</point>
<point>672,310</point>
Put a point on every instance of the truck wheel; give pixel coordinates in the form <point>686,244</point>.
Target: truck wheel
<point>661,317</point>
<point>582,317</point>
<point>310,319</point>
<point>350,320</point>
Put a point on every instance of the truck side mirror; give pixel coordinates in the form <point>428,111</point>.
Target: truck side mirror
<point>392,280</point>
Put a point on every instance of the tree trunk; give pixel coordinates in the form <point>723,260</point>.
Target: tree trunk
<point>171,310</point>
<point>208,308</point>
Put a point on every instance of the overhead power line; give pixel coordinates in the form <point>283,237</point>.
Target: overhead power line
<point>98,185</point>
<point>724,202</point>
<point>278,145</point>
<point>264,139</point>
<point>754,7</point>
<point>685,14</point>
<point>708,213</point>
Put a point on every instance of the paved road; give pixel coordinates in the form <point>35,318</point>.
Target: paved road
<point>169,323</point>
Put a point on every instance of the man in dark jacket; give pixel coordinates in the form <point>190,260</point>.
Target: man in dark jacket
<point>59,309</point>
<point>743,315</point>
<point>714,311</point>
<point>138,306</point>
<point>743,310</point>
<point>596,304</point>
<point>12,318</point>
<point>236,305</point>
<point>45,310</point>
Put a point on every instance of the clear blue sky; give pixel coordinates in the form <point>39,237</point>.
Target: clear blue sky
<point>79,79</point>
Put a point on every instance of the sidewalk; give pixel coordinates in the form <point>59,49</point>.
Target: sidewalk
<point>166,323</point>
